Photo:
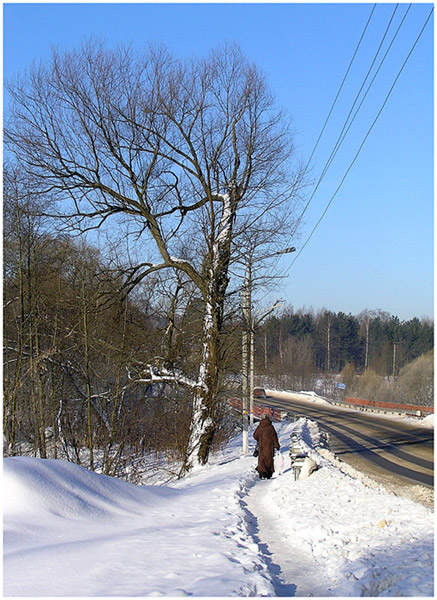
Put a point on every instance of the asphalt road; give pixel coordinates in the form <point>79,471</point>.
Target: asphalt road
<point>389,450</point>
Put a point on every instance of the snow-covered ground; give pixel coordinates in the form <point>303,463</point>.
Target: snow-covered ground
<point>219,532</point>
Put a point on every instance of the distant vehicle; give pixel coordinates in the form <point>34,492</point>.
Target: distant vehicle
<point>259,392</point>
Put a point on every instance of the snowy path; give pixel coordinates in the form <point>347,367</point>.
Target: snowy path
<point>219,532</point>
<point>293,568</point>
<point>336,533</point>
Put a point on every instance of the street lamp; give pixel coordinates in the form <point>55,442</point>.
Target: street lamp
<point>259,320</point>
<point>248,342</point>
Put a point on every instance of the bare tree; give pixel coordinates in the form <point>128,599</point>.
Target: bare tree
<point>326,322</point>
<point>365,317</point>
<point>27,246</point>
<point>190,150</point>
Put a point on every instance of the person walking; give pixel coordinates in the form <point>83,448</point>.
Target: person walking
<point>267,438</point>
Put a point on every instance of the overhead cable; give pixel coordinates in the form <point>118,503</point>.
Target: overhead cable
<point>340,139</point>
<point>363,142</point>
<point>328,117</point>
<point>340,88</point>
<point>345,131</point>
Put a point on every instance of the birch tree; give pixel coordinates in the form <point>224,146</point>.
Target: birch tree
<point>181,150</point>
<point>365,318</point>
<point>326,324</point>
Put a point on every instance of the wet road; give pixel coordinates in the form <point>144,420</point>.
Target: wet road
<point>392,449</point>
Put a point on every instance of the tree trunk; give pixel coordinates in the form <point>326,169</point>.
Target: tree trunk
<point>11,392</point>
<point>87,374</point>
<point>366,361</point>
<point>204,422</point>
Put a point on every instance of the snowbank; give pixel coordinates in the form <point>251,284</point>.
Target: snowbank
<point>365,541</point>
<point>71,532</point>
<point>428,421</point>
<point>83,534</point>
<point>303,396</point>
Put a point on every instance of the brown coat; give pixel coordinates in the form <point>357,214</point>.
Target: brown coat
<point>265,435</point>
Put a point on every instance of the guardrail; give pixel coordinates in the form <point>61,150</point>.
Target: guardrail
<point>418,411</point>
<point>390,407</point>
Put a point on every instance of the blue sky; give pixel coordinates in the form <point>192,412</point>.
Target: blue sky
<point>374,247</point>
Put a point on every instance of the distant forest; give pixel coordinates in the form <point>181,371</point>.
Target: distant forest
<point>327,341</point>
<point>376,356</point>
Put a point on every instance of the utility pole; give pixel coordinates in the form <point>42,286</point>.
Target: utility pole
<point>248,344</point>
<point>245,366</point>
<point>265,350</point>
<point>250,325</point>
<point>366,361</point>
<point>252,353</point>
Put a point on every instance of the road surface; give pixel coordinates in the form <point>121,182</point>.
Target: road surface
<point>392,451</point>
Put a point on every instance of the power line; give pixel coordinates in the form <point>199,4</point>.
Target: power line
<point>343,135</point>
<point>329,115</point>
<point>340,88</point>
<point>286,272</point>
<point>340,139</point>
<point>338,144</point>
<point>363,142</point>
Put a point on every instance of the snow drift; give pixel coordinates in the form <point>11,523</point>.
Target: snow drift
<point>218,532</point>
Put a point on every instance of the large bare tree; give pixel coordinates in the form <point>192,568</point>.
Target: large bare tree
<point>194,153</point>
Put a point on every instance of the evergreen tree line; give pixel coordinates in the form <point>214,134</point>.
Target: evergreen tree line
<point>369,352</point>
<point>373,339</point>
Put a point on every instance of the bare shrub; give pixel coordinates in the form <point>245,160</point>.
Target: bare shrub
<point>347,375</point>
<point>415,384</point>
<point>372,386</point>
